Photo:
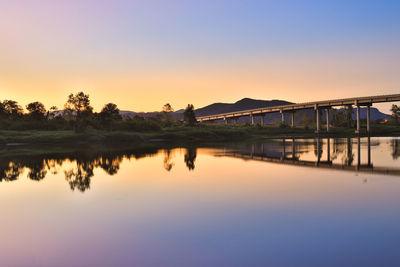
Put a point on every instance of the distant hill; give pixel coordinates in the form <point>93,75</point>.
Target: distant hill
<point>245,103</point>
<point>375,114</point>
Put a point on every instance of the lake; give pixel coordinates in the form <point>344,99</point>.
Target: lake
<point>281,202</point>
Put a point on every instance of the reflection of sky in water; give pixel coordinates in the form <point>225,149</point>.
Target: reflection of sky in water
<point>206,211</point>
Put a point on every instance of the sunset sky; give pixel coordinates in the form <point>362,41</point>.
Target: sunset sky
<point>143,54</point>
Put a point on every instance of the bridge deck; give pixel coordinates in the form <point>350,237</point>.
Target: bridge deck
<point>308,105</point>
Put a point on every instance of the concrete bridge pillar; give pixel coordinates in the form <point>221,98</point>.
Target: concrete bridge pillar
<point>369,151</point>
<point>225,120</point>
<point>318,151</point>
<point>293,148</point>
<point>368,118</point>
<point>327,119</point>
<point>328,149</point>
<point>262,120</point>
<point>283,116</point>
<point>318,119</point>
<point>358,119</point>
<point>252,119</point>
<point>292,117</point>
<point>358,152</point>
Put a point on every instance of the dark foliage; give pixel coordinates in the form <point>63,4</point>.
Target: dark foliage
<point>189,116</point>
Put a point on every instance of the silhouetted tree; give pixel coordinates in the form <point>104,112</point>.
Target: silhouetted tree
<point>36,110</point>
<point>108,114</point>
<point>188,115</point>
<point>395,113</point>
<point>339,118</point>
<point>12,109</point>
<point>167,109</point>
<point>80,104</point>
<point>349,115</point>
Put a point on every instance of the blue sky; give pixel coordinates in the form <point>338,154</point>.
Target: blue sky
<point>152,52</point>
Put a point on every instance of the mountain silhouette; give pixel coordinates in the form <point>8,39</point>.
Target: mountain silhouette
<point>243,104</point>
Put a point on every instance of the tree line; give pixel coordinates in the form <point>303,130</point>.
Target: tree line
<point>78,114</point>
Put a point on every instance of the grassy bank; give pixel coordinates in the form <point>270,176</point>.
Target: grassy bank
<point>199,133</point>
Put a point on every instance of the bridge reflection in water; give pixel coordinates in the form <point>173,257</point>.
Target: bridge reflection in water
<point>288,152</point>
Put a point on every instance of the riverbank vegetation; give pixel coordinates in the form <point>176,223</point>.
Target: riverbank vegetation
<point>77,123</point>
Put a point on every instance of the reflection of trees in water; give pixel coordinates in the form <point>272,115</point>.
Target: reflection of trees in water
<point>37,171</point>
<point>109,164</point>
<point>168,164</point>
<point>318,148</point>
<point>10,171</point>
<point>53,165</point>
<point>78,177</point>
<point>190,157</point>
<point>337,149</point>
<point>395,144</point>
<point>348,157</point>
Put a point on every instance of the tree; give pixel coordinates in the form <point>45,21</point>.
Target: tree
<point>3,112</point>
<point>167,109</point>
<point>110,110</point>
<point>12,109</point>
<point>80,104</point>
<point>395,113</point>
<point>339,118</point>
<point>36,110</point>
<point>108,114</point>
<point>188,115</point>
<point>349,115</point>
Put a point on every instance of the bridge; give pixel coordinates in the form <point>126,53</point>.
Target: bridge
<point>326,105</point>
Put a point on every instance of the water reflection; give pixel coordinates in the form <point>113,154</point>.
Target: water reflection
<point>341,156</point>
<point>168,164</point>
<point>78,173</point>
<point>337,153</point>
<point>190,157</point>
<point>395,144</point>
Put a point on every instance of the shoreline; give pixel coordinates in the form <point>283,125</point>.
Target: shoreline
<point>204,134</point>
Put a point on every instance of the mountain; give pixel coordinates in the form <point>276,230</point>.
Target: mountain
<point>374,112</point>
<point>244,104</point>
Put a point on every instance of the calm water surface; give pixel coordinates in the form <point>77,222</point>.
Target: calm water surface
<point>286,202</point>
